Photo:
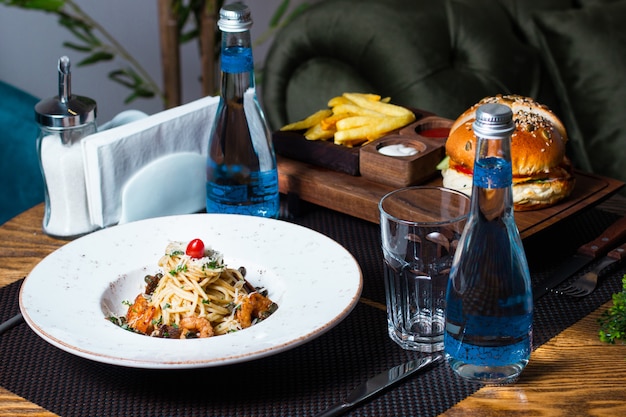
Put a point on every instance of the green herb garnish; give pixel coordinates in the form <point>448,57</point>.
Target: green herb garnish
<point>121,322</point>
<point>613,321</point>
<point>179,268</point>
<point>213,264</point>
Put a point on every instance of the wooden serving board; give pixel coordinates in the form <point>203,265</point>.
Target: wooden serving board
<point>359,197</point>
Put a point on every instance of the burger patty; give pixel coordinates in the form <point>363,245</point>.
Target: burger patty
<point>528,192</point>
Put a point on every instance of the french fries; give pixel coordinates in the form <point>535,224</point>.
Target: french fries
<point>310,121</point>
<point>353,119</point>
<point>370,129</point>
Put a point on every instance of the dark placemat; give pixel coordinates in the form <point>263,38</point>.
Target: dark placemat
<point>301,381</point>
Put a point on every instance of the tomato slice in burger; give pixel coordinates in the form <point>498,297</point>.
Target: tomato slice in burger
<point>461,168</point>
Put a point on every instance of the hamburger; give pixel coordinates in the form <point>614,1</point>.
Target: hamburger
<point>542,173</point>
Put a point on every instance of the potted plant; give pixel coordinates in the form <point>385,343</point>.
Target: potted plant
<point>180,21</point>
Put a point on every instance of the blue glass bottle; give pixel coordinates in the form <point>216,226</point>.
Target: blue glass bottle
<point>241,166</point>
<point>489,305</point>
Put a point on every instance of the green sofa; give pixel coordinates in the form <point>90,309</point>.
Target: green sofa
<point>444,56</point>
<point>22,183</point>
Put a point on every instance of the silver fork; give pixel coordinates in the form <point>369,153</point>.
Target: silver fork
<point>587,283</point>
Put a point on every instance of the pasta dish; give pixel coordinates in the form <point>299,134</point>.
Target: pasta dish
<point>195,295</point>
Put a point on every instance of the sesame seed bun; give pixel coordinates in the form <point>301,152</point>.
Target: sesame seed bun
<point>542,174</point>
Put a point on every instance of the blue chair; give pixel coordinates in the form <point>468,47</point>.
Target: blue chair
<point>21,186</point>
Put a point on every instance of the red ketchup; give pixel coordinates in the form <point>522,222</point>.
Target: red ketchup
<point>435,132</point>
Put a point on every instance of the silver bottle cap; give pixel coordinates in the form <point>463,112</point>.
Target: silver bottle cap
<point>494,121</point>
<point>65,110</point>
<point>235,17</point>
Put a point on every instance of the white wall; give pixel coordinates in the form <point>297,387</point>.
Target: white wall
<point>31,44</point>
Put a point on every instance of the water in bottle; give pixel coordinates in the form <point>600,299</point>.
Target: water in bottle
<point>488,329</point>
<point>241,167</point>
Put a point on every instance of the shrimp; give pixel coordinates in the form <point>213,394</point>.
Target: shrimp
<point>140,314</point>
<point>198,325</point>
<point>253,305</point>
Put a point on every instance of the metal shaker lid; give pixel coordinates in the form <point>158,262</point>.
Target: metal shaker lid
<point>65,110</point>
<point>235,17</point>
<point>494,121</point>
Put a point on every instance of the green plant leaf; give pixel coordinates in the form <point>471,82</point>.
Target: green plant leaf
<point>183,14</point>
<point>297,11</point>
<point>123,77</point>
<point>45,5</point>
<point>79,29</point>
<point>87,33</point>
<point>613,321</point>
<point>77,47</point>
<point>138,93</point>
<point>96,57</point>
<point>128,78</point>
<point>279,13</point>
<point>188,36</point>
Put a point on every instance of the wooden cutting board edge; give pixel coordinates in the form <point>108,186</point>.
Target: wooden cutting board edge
<point>359,197</point>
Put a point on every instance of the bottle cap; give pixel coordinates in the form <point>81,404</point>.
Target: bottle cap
<point>65,110</point>
<point>235,17</point>
<point>494,121</point>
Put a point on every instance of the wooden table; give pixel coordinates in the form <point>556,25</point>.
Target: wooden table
<point>572,374</point>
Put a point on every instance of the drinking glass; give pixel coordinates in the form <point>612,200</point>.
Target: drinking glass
<point>420,228</point>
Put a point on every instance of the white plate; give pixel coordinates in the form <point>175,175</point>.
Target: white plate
<point>68,295</point>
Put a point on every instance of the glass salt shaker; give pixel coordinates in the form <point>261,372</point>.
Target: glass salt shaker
<point>64,120</point>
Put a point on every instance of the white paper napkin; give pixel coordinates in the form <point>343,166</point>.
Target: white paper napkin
<point>113,156</point>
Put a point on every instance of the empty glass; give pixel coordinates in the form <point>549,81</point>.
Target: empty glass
<point>420,228</point>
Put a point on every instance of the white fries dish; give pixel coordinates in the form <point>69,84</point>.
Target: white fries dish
<point>69,295</point>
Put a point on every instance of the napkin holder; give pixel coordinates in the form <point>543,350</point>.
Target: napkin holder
<point>140,199</point>
<point>115,158</point>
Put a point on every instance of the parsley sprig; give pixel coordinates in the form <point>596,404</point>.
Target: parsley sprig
<point>613,321</point>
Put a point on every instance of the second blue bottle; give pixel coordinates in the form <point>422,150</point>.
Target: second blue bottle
<point>489,306</point>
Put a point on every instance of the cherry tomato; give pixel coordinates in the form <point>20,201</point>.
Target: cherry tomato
<point>195,248</point>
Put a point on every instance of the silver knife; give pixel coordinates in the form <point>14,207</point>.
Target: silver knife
<point>379,382</point>
<point>585,254</point>
<point>10,323</point>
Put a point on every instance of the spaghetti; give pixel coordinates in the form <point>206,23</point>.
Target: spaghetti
<point>196,297</point>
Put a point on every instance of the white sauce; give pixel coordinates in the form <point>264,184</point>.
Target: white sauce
<point>398,150</point>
